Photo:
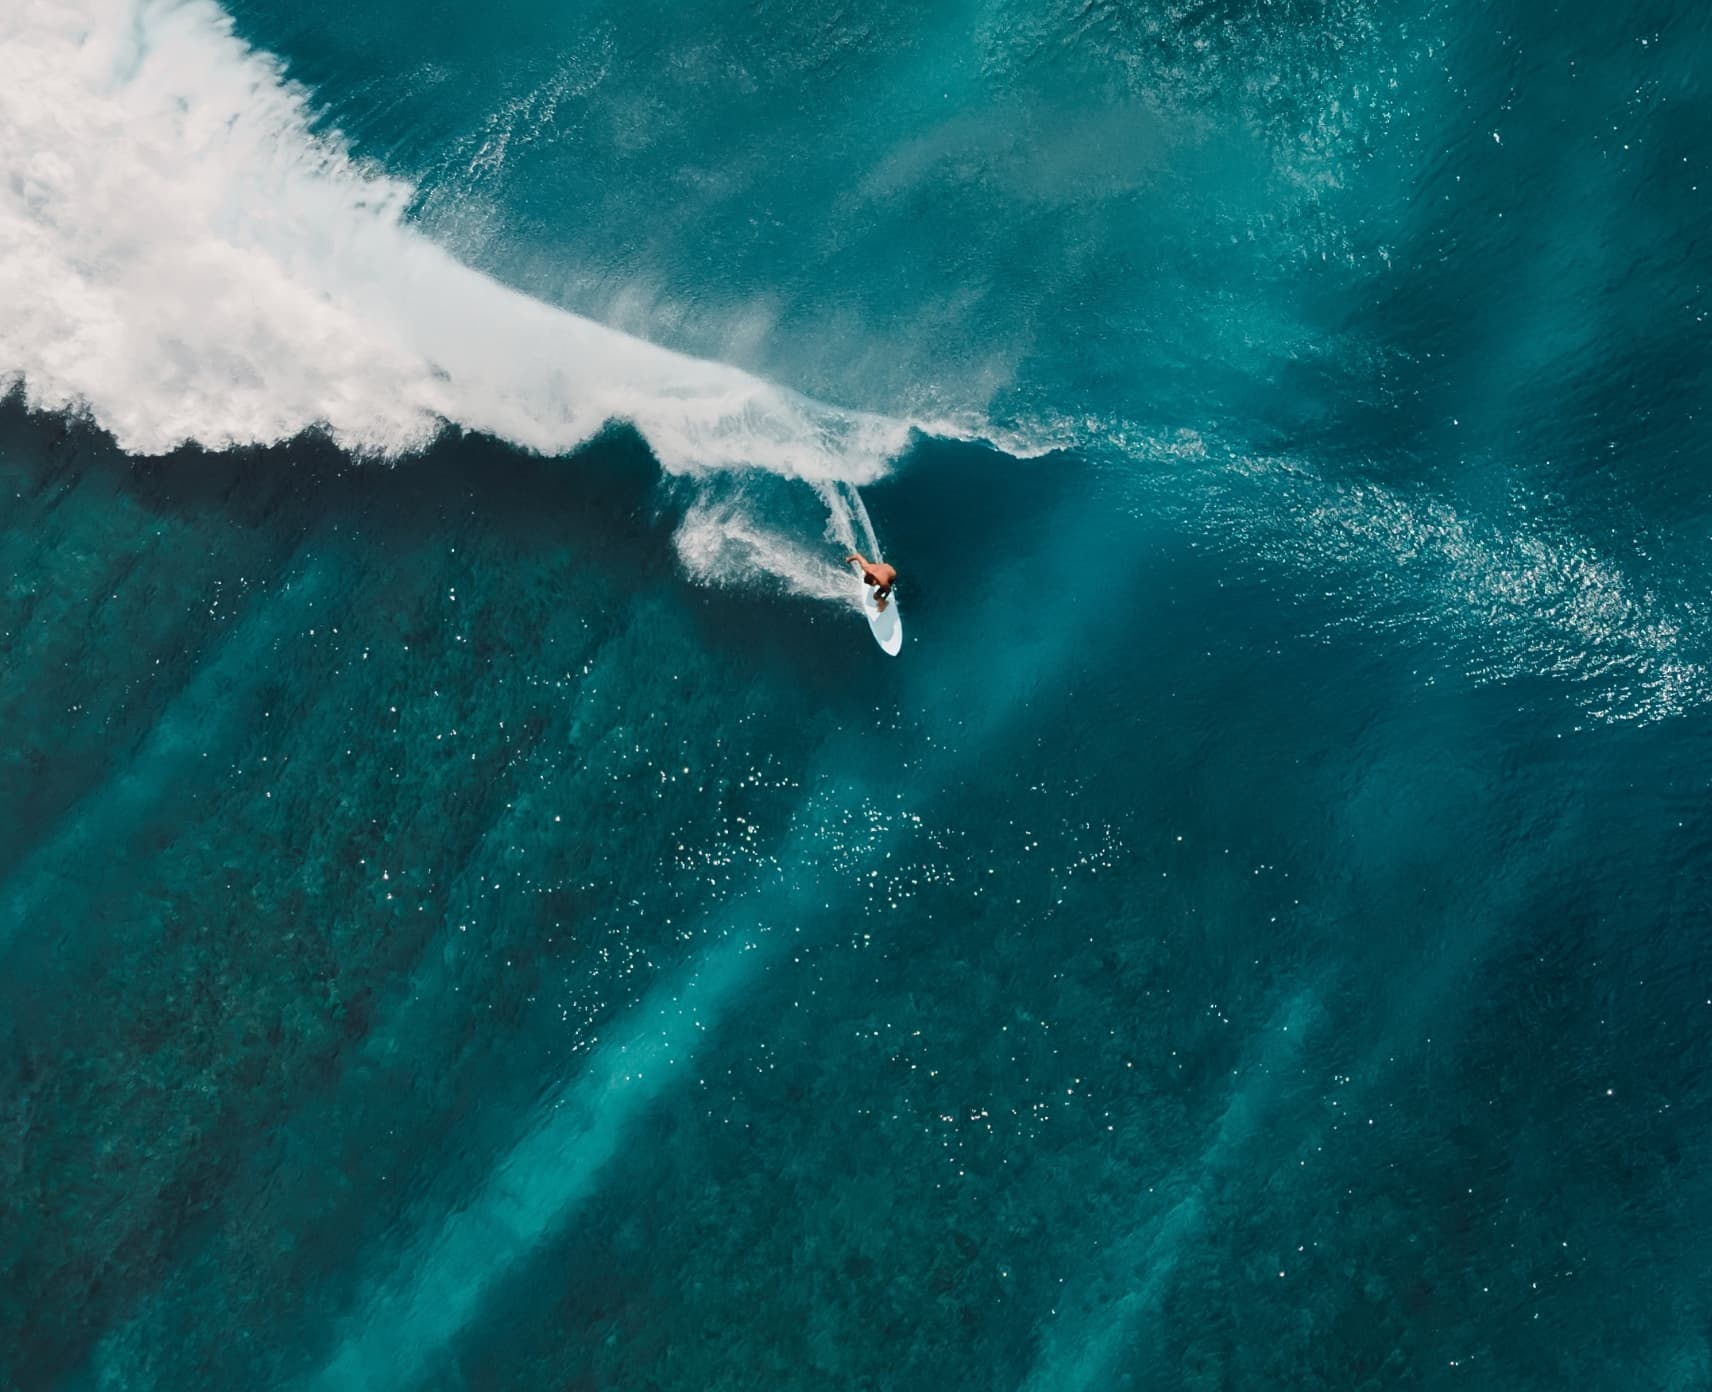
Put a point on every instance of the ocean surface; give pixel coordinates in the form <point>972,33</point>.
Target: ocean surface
<point>477,909</point>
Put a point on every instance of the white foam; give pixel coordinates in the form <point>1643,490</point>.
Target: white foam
<point>1518,596</point>
<point>1509,592</point>
<point>186,259</point>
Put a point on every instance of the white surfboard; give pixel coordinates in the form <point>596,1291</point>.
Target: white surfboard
<point>886,626</point>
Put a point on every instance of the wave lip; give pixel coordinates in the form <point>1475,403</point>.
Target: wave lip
<point>190,261</point>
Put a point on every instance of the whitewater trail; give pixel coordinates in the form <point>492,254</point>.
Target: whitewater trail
<point>189,261</point>
<point>721,541</point>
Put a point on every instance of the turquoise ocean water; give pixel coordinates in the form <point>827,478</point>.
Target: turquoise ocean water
<point>477,909</point>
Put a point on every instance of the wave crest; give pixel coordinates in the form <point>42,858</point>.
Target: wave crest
<point>189,260</point>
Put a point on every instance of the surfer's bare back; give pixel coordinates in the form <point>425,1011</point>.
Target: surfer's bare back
<point>881,576</point>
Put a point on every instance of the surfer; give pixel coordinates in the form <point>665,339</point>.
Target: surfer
<point>881,576</point>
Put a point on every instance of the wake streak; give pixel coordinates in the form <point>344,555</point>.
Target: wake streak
<point>408,1320</point>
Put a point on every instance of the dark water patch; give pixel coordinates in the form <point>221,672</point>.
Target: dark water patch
<point>495,633</point>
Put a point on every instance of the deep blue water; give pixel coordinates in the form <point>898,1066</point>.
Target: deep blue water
<point>479,912</point>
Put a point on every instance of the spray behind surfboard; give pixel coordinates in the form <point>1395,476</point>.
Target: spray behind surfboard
<point>756,531</point>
